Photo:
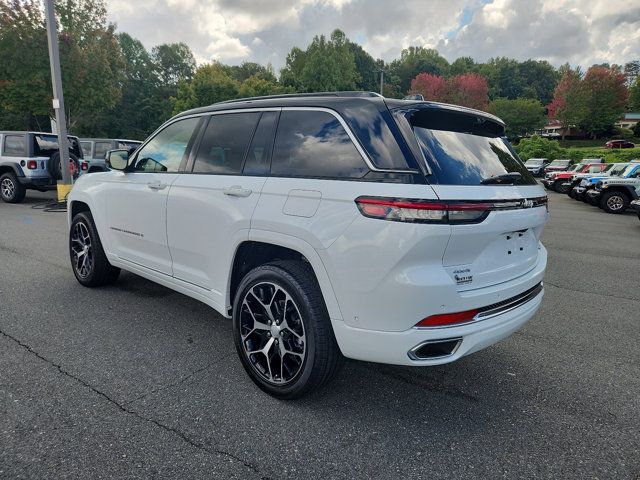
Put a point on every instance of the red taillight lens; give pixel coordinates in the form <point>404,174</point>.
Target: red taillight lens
<point>84,165</point>
<point>448,319</point>
<point>422,211</point>
<point>32,164</point>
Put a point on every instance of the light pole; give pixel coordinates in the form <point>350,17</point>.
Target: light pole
<point>65,184</point>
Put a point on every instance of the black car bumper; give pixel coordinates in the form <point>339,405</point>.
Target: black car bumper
<point>38,183</point>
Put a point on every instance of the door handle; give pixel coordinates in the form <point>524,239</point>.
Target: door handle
<point>157,185</point>
<point>236,191</point>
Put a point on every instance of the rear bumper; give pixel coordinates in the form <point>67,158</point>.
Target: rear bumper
<point>37,182</point>
<point>394,347</point>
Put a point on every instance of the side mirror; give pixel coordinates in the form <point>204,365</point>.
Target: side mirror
<point>118,159</point>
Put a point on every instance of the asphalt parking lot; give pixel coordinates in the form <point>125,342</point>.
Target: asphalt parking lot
<point>135,380</point>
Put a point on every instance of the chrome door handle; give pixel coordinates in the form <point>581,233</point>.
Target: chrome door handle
<point>156,185</point>
<point>236,191</point>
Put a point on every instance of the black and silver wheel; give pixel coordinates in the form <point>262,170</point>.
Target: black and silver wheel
<point>282,330</point>
<point>614,202</point>
<point>88,260</point>
<point>11,190</point>
<point>560,187</point>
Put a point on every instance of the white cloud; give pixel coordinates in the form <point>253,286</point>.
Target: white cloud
<point>264,31</point>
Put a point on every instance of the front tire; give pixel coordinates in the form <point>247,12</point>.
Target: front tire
<point>614,202</point>
<point>558,187</point>
<point>88,260</point>
<point>282,331</point>
<point>11,190</point>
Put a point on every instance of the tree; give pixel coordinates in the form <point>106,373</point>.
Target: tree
<point>469,90</point>
<point>366,67</point>
<point>463,65</point>
<point>415,60</point>
<point>606,96</point>
<point>569,104</point>
<point>503,77</point>
<point>210,84</point>
<point>632,71</point>
<point>431,87</point>
<point>539,79</point>
<point>173,62</point>
<point>634,96</point>
<point>256,86</point>
<point>251,69</point>
<point>522,116</point>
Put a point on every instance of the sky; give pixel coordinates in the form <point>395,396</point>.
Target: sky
<point>581,32</point>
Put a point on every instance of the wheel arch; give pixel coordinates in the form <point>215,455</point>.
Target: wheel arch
<point>11,168</point>
<point>264,247</point>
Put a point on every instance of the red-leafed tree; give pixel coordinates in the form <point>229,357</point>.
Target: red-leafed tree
<point>431,87</point>
<point>606,94</point>
<point>469,90</point>
<point>569,104</point>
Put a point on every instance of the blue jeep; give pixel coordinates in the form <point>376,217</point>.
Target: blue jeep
<point>621,170</point>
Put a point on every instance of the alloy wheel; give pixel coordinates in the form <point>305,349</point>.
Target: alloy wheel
<point>82,250</point>
<point>8,188</point>
<point>615,202</point>
<point>272,333</point>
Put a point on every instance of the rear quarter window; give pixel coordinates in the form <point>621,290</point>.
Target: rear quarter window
<point>315,144</point>
<point>15,145</point>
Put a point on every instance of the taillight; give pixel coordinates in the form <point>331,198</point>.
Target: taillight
<point>84,165</point>
<point>423,211</point>
<point>32,164</point>
<point>448,319</point>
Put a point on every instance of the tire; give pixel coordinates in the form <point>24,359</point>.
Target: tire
<point>557,186</point>
<point>55,168</point>
<point>614,202</point>
<point>83,236</point>
<point>572,194</point>
<point>305,351</point>
<point>11,190</point>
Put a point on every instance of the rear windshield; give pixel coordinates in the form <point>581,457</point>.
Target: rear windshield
<point>534,161</point>
<point>463,149</point>
<point>47,145</point>
<point>559,163</point>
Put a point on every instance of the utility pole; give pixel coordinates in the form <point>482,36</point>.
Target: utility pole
<point>381,81</point>
<point>65,184</point>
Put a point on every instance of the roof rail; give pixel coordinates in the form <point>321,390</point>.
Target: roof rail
<point>299,95</point>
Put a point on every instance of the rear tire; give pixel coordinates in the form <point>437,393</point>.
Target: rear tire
<point>11,190</point>
<point>614,202</point>
<point>55,168</point>
<point>557,186</point>
<point>282,331</point>
<point>88,260</point>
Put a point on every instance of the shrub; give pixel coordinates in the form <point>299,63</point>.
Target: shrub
<point>636,129</point>
<point>538,147</point>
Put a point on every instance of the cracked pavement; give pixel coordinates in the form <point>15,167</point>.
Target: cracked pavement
<point>137,381</point>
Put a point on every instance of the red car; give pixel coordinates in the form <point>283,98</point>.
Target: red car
<point>619,144</point>
<point>560,181</point>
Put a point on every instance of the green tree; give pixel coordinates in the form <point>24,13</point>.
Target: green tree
<point>522,116</point>
<point>415,60</point>
<point>256,86</point>
<point>367,68</point>
<point>503,77</point>
<point>291,74</point>
<point>606,99</point>
<point>210,84</point>
<point>634,96</point>
<point>251,69</point>
<point>173,62</point>
<point>539,79</point>
<point>463,65</point>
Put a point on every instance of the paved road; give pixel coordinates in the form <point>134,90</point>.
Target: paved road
<point>137,381</point>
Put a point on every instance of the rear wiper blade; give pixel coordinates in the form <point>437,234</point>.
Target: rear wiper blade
<point>506,178</point>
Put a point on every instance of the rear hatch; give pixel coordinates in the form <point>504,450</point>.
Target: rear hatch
<point>469,161</point>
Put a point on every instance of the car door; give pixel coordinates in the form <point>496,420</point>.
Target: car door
<point>212,204</point>
<point>137,198</point>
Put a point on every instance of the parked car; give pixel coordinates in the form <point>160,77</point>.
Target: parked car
<point>619,170</point>
<point>536,166</point>
<point>31,161</point>
<point>561,181</point>
<point>95,151</point>
<point>619,144</point>
<point>614,195</point>
<point>635,206</point>
<point>558,165</point>
<point>576,178</point>
<point>325,225</point>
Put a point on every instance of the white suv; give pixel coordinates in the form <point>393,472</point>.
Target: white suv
<point>326,225</point>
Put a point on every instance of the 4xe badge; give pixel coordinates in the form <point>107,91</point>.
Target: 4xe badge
<point>463,277</point>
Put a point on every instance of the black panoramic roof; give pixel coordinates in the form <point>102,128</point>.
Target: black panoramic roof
<point>333,100</point>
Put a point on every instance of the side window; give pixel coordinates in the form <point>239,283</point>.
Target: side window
<point>635,174</point>
<point>101,149</point>
<point>15,145</point>
<point>314,144</point>
<point>86,149</point>
<point>225,142</point>
<point>166,150</point>
<point>259,154</point>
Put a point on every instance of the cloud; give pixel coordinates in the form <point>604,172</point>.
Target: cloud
<point>264,31</point>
